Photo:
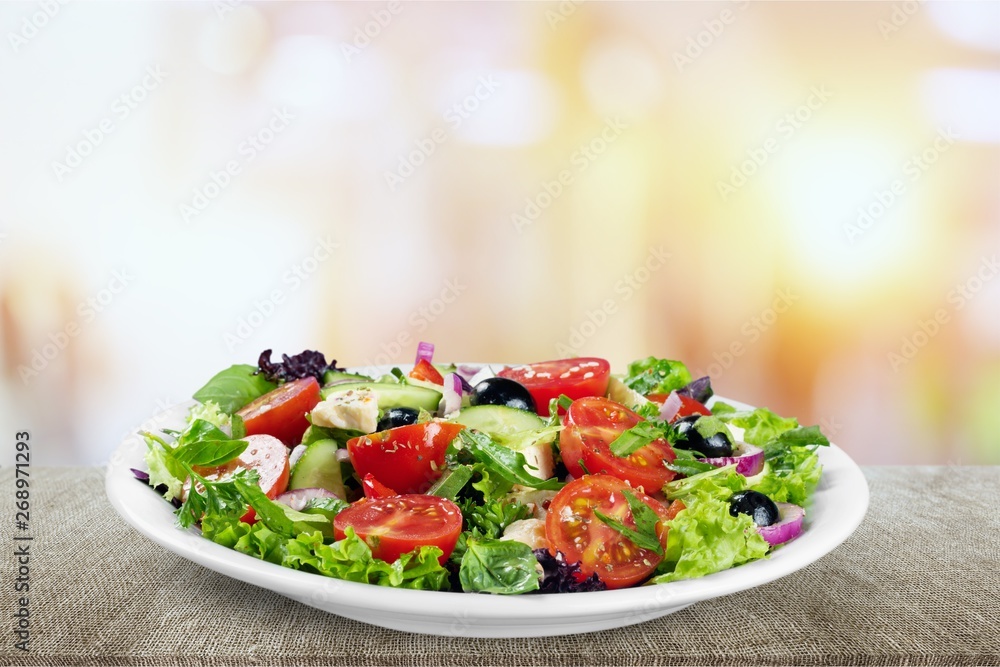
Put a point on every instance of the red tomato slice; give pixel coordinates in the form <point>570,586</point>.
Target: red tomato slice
<point>579,377</point>
<point>689,406</point>
<point>572,528</point>
<point>408,458</point>
<point>592,424</point>
<point>265,454</point>
<point>397,525</point>
<point>425,371</point>
<point>375,489</point>
<point>282,411</point>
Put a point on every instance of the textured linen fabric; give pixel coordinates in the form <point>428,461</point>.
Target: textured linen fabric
<point>917,584</point>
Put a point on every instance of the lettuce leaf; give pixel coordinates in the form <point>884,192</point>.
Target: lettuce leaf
<point>656,376</point>
<point>792,469</point>
<point>704,537</point>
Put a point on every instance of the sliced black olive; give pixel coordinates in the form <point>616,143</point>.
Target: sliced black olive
<point>502,391</point>
<point>759,507</point>
<point>397,417</point>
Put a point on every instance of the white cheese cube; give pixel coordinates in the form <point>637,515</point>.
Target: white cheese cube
<point>356,410</point>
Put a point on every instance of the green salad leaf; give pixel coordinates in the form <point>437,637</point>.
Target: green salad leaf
<point>234,387</point>
<point>503,462</point>
<point>502,567</point>
<point>656,376</point>
<point>704,537</point>
<point>791,469</point>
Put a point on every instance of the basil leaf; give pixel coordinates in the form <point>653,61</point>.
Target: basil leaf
<point>210,452</point>
<point>503,567</point>
<point>234,387</point>
<point>505,463</point>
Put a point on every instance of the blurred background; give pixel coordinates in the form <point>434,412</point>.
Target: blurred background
<point>799,199</point>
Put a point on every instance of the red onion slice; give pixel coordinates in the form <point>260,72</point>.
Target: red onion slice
<point>788,527</point>
<point>342,455</point>
<point>425,351</point>
<point>298,498</point>
<point>749,460</point>
<point>670,406</point>
<point>452,400</point>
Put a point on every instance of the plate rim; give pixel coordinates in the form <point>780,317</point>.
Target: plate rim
<point>132,500</point>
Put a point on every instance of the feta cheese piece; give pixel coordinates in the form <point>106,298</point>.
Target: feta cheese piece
<point>355,410</point>
<point>529,531</point>
<point>536,499</point>
<point>539,455</point>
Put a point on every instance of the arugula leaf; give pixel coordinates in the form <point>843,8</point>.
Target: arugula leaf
<point>635,438</point>
<point>327,507</point>
<point>490,484</point>
<point>656,376</point>
<point>451,482</point>
<point>505,463</point>
<point>644,534</point>
<point>234,387</point>
<point>268,511</point>
<point>800,436</point>
<point>503,567</point>
<point>689,467</point>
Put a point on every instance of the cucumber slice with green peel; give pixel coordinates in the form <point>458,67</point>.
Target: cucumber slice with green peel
<point>319,468</point>
<point>340,376</point>
<point>392,395</point>
<point>499,419</point>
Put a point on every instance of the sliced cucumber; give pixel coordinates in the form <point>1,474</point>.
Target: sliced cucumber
<point>392,395</point>
<point>620,393</point>
<point>337,376</point>
<point>499,419</point>
<point>319,468</point>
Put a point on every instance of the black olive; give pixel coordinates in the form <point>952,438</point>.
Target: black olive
<point>397,417</point>
<point>502,391</point>
<point>714,446</point>
<point>759,507</point>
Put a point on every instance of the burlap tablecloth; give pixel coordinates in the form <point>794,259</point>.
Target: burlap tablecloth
<point>917,584</point>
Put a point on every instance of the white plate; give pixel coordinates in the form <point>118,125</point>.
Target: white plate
<point>838,508</point>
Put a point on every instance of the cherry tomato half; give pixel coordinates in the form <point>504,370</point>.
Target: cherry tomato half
<point>426,372</point>
<point>572,527</point>
<point>579,377</point>
<point>282,412</point>
<point>408,458</point>
<point>265,454</point>
<point>592,424</point>
<point>399,524</point>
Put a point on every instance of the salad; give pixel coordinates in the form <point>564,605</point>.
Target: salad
<point>552,477</point>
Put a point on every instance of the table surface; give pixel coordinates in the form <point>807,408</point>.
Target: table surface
<point>917,584</point>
